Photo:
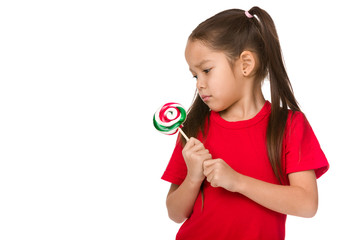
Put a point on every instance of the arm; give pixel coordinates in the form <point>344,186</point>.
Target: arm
<point>181,199</point>
<point>299,199</point>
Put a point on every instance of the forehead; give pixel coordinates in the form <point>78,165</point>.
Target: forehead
<point>196,51</point>
<point>198,54</point>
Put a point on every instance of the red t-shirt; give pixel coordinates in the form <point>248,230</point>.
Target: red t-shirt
<point>242,145</point>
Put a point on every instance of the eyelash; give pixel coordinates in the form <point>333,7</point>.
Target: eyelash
<point>206,71</point>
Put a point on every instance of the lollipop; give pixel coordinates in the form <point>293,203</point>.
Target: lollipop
<point>168,119</point>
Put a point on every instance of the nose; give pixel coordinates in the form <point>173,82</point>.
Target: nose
<point>200,84</point>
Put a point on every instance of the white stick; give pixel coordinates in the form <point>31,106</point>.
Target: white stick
<point>184,135</point>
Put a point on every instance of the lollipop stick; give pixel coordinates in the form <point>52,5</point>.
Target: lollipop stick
<point>184,135</point>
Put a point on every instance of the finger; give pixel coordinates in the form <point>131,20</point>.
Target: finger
<point>207,172</point>
<point>205,156</point>
<point>203,151</point>
<point>189,144</point>
<point>193,141</point>
<point>196,141</point>
<point>198,147</point>
<point>208,167</point>
<point>210,178</point>
<point>208,163</point>
<point>213,184</point>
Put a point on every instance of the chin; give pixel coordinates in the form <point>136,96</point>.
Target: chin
<point>215,108</point>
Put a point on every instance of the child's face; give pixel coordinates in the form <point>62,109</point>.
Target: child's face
<point>219,85</point>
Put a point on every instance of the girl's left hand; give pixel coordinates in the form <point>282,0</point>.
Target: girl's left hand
<point>219,174</point>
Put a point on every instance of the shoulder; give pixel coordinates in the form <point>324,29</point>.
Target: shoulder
<point>296,115</point>
<point>302,148</point>
<point>296,119</point>
<point>298,127</point>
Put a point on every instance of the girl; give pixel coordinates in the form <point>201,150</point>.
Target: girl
<point>248,162</point>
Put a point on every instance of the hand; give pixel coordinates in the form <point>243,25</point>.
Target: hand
<point>219,174</point>
<point>195,154</point>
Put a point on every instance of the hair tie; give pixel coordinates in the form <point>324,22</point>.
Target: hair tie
<point>248,14</point>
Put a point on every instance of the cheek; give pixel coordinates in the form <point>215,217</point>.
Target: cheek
<point>226,87</point>
<point>222,81</point>
<point>223,98</point>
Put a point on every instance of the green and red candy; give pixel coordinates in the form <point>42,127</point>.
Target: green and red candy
<point>169,118</point>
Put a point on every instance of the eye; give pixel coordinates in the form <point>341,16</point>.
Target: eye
<point>207,70</point>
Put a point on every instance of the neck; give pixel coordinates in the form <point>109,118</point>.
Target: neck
<point>247,106</point>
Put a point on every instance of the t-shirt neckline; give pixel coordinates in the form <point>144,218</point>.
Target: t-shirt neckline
<point>265,111</point>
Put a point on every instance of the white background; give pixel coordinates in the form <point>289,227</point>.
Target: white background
<point>80,81</point>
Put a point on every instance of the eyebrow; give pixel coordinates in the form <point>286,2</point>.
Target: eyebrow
<point>200,64</point>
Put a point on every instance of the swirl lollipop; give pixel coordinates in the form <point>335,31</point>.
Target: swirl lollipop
<point>169,118</point>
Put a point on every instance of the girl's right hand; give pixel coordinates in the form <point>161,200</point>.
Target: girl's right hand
<point>195,154</point>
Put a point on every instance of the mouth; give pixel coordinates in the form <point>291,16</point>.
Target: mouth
<point>205,98</point>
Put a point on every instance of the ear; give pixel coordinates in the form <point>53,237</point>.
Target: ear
<point>247,63</point>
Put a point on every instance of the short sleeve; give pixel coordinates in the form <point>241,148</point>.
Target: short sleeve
<point>302,149</point>
<point>176,169</point>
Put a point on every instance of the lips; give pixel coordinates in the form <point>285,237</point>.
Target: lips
<point>205,98</point>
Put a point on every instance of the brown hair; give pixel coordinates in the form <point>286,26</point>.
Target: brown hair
<point>232,32</point>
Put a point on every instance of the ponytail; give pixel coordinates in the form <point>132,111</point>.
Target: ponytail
<point>282,96</point>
